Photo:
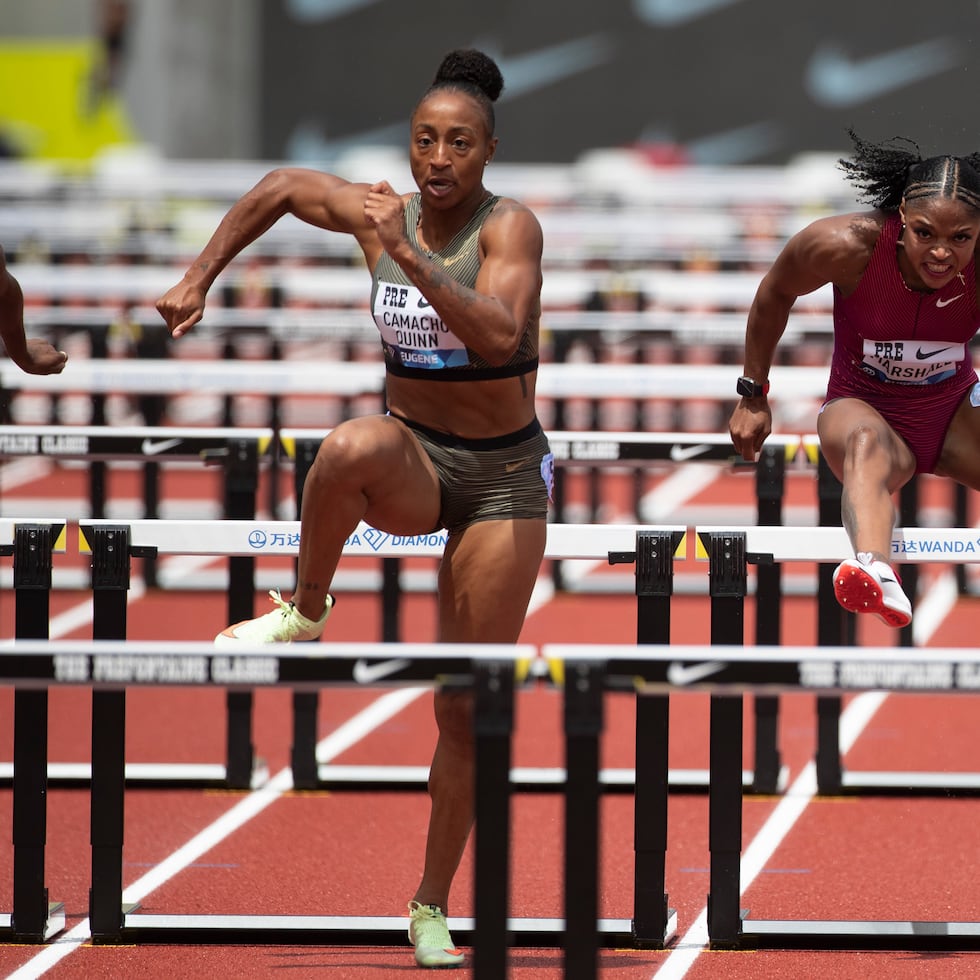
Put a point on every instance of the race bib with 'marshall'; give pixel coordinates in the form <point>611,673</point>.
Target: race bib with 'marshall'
<point>911,362</point>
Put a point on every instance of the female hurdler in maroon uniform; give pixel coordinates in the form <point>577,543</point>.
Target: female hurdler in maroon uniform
<point>903,395</point>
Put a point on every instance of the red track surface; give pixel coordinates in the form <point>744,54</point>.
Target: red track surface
<point>359,853</point>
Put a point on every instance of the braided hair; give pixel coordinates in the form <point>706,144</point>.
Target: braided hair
<point>474,73</point>
<point>888,173</point>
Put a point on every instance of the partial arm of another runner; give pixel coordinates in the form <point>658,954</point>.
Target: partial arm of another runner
<point>34,356</point>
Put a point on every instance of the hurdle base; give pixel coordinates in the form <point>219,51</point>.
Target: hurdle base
<point>53,924</point>
<point>312,930</point>
<point>145,775</point>
<point>859,935</point>
<point>670,932</point>
<point>529,779</point>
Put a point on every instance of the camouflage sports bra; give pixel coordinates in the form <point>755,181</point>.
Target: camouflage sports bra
<point>416,342</point>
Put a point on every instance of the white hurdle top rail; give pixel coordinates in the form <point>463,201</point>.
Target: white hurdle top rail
<point>728,669</point>
<point>831,544</point>
<point>351,378</point>
<point>650,668</point>
<point>257,538</point>
<point>117,664</point>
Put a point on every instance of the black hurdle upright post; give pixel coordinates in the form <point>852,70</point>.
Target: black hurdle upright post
<point>111,553</point>
<point>770,479</point>
<point>303,752</point>
<point>908,503</point>
<point>961,518</point>
<point>33,544</point>
<point>99,349</point>
<point>493,726</point>
<point>241,490</point>
<point>654,570</point>
<point>835,627</point>
<point>727,576</point>
<point>583,715</point>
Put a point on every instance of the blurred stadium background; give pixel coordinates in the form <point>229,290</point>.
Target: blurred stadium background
<point>669,147</point>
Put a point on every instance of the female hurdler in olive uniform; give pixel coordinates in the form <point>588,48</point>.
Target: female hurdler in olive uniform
<point>456,296</point>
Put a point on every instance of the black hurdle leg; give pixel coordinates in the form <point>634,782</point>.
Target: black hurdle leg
<point>583,725</point>
<point>908,499</point>
<point>727,575</point>
<point>493,726</point>
<point>305,703</point>
<point>32,591</point>
<point>110,546</point>
<point>725,821</point>
<point>834,626</point>
<point>770,483</point>
<point>241,490</point>
<point>654,587</point>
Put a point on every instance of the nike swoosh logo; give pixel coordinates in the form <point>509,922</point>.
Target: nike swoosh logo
<point>151,447</point>
<point>423,302</point>
<point>922,355</point>
<point>940,303</point>
<point>670,13</point>
<point>524,74</point>
<point>835,78</point>
<point>312,10</point>
<point>742,144</point>
<point>679,675</point>
<point>365,673</point>
<point>681,453</point>
<point>513,467</point>
<point>545,66</point>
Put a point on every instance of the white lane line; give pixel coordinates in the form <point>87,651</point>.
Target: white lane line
<point>348,734</point>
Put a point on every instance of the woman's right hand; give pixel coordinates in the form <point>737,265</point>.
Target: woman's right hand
<point>749,426</point>
<point>182,306</point>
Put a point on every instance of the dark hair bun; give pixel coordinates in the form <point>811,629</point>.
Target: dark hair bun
<point>472,67</point>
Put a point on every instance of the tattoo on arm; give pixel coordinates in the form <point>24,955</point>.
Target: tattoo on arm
<point>427,273</point>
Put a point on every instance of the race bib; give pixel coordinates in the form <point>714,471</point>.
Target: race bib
<point>412,331</point>
<point>911,362</point>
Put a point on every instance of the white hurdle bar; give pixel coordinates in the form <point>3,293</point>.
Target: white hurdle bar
<point>491,671</point>
<point>727,673</point>
<point>350,378</point>
<point>595,542</point>
<point>269,538</point>
<point>766,545</point>
<point>831,544</point>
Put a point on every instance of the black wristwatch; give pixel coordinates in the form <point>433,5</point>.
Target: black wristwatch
<point>750,388</point>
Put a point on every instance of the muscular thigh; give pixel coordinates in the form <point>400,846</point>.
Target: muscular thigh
<point>486,578</point>
<point>839,423</point>
<point>380,458</point>
<point>960,457</point>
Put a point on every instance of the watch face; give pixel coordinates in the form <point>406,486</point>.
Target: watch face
<point>748,388</point>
